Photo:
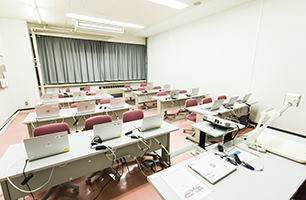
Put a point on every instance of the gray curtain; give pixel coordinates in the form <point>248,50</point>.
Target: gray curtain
<point>66,60</point>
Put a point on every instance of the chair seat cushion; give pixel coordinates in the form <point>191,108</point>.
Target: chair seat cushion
<point>192,117</point>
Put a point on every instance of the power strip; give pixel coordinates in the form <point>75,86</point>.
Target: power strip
<point>126,158</point>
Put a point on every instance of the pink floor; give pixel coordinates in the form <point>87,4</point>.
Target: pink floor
<point>134,187</point>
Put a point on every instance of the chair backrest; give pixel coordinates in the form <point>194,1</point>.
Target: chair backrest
<point>141,89</point>
<point>206,100</point>
<point>222,97</point>
<point>89,123</point>
<point>132,115</point>
<point>191,102</point>
<point>68,90</point>
<point>162,94</point>
<point>104,101</point>
<point>127,86</point>
<point>51,128</point>
<point>183,91</point>
<point>60,96</point>
<point>86,89</point>
<point>143,84</point>
<point>93,93</point>
<point>59,105</point>
<point>74,105</point>
<point>156,87</point>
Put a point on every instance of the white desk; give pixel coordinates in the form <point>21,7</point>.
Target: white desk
<point>279,179</point>
<point>209,130</point>
<point>66,102</point>
<point>69,116</point>
<point>141,97</point>
<point>165,103</point>
<point>78,162</point>
<point>127,92</point>
<point>239,109</point>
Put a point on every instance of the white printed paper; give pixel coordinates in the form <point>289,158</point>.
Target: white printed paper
<point>185,185</point>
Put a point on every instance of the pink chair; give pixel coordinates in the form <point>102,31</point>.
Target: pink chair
<point>143,85</point>
<point>89,123</point>
<point>157,88</point>
<point>67,90</point>
<point>74,105</point>
<point>182,110</point>
<point>86,89</point>
<point>141,89</point>
<point>93,93</point>
<point>60,95</point>
<point>127,86</point>
<point>104,101</point>
<point>222,97</point>
<point>49,129</point>
<point>132,115</point>
<point>206,100</point>
<point>191,116</point>
<point>144,104</point>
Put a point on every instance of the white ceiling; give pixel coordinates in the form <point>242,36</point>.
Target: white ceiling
<point>156,18</point>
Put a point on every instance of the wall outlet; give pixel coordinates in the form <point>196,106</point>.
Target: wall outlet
<point>26,103</point>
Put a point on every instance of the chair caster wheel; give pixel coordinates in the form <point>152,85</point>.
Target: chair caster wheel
<point>186,138</point>
<point>87,182</point>
<point>75,191</point>
<point>184,131</point>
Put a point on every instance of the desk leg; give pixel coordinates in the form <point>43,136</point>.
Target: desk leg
<point>136,102</point>
<point>159,108</point>
<point>30,130</point>
<point>165,155</point>
<point>5,190</point>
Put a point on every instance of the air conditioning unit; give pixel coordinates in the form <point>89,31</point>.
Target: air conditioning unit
<point>97,28</point>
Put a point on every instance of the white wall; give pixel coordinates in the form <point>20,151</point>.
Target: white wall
<point>16,48</point>
<point>216,53</point>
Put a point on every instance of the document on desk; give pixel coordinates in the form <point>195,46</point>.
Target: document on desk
<point>185,185</point>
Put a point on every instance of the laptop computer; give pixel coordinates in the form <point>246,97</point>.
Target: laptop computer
<point>167,87</point>
<point>212,167</point>
<point>149,88</point>
<point>246,98</point>
<point>46,111</point>
<point>194,91</point>
<point>101,93</point>
<point>74,89</point>
<point>52,90</point>
<point>86,106</point>
<point>46,145</point>
<point>52,97</point>
<point>94,88</point>
<point>174,94</point>
<point>216,105</point>
<point>109,130</point>
<point>117,103</point>
<point>232,101</point>
<point>79,94</point>
<point>151,122</point>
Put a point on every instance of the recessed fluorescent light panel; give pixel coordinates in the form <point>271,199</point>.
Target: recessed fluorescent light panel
<point>104,21</point>
<point>36,13</point>
<point>171,3</point>
<point>101,27</point>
